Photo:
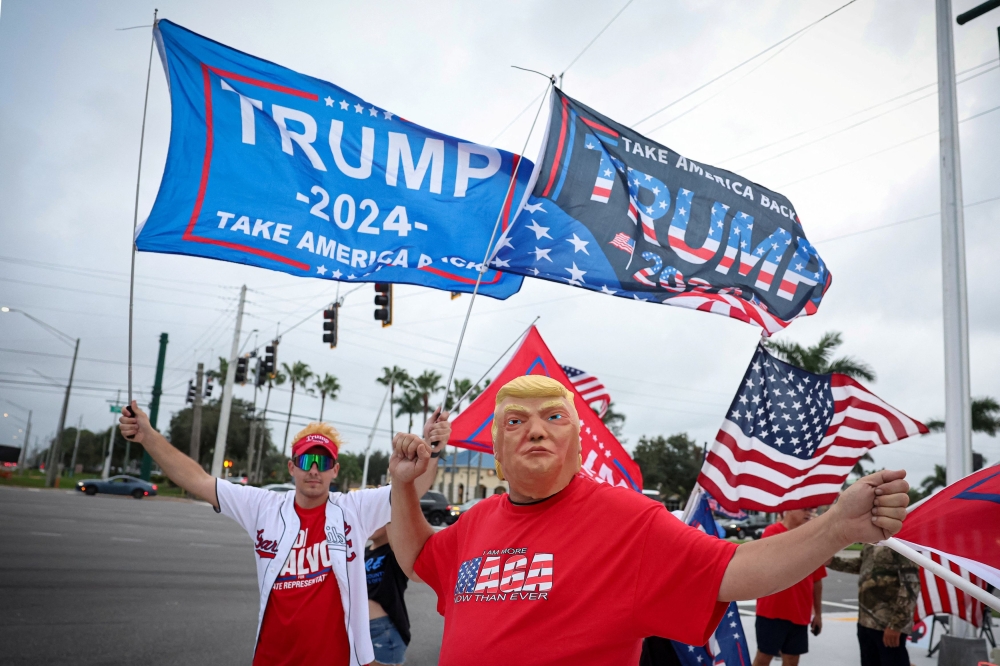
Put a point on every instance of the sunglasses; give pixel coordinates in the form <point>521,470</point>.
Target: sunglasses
<point>307,460</point>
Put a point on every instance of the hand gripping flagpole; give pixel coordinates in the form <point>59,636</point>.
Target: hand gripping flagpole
<point>135,215</point>
<point>489,252</point>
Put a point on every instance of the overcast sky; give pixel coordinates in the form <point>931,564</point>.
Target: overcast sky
<point>71,95</point>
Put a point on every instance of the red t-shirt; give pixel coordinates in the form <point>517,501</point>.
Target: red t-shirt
<point>795,603</point>
<point>579,578</point>
<point>304,619</point>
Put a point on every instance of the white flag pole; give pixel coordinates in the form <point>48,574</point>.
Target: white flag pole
<point>135,216</point>
<point>943,572</point>
<point>489,252</point>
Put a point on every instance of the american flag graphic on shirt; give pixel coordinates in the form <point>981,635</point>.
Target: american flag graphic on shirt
<point>499,573</point>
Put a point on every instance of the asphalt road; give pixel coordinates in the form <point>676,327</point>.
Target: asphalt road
<point>113,580</point>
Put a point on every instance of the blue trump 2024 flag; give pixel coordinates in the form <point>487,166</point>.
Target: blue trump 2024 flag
<point>728,644</point>
<point>276,169</point>
<point>615,212</point>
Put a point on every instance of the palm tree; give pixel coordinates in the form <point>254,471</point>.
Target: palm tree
<point>299,374</point>
<point>816,359</point>
<point>326,386</point>
<point>411,402</point>
<point>459,388</point>
<point>936,480</point>
<point>985,417</point>
<point>426,385</point>
<point>277,380</point>
<point>392,377</point>
<point>220,374</point>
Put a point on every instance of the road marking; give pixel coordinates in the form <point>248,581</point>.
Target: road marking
<point>838,605</point>
<point>34,490</point>
<point>51,534</point>
<point>126,539</point>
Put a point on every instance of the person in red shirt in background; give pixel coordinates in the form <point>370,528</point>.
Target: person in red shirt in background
<point>783,618</point>
<point>564,570</point>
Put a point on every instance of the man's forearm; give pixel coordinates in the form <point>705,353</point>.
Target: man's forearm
<point>181,469</point>
<point>766,566</point>
<point>425,481</point>
<point>410,531</point>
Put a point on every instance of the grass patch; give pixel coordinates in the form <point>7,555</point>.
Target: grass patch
<point>855,546</point>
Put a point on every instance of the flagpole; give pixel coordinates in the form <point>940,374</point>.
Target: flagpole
<point>942,572</point>
<point>135,215</point>
<point>489,251</point>
<point>499,358</point>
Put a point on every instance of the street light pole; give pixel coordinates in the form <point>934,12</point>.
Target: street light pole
<point>52,471</point>
<point>958,404</point>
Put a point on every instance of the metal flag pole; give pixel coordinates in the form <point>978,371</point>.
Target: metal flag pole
<point>499,358</point>
<point>942,572</point>
<point>489,251</point>
<point>135,215</point>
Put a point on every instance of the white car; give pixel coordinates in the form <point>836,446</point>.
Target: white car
<point>279,487</point>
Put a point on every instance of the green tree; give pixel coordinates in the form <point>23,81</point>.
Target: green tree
<point>936,480</point>
<point>393,377</point>
<point>327,386</point>
<point>299,374</point>
<point>459,388</point>
<point>817,358</point>
<point>985,417</point>
<point>614,420</point>
<point>670,464</point>
<point>426,385</point>
<point>410,403</point>
<point>220,374</point>
<point>238,440</point>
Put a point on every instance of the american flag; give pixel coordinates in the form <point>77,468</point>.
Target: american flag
<point>623,242</point>
<point>791,437</point>
<point>590,388</point>
<point>489,577</point>
<point>466,582</point>
<point>938,596</point>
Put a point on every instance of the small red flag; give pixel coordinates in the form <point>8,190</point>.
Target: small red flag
<point>604,458</point>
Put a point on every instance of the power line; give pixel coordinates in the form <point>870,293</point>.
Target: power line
<point>591,42</point>
<point>857,124</point>
<point>856,113</point>
<point>750,59</point>
<point>883,150</point>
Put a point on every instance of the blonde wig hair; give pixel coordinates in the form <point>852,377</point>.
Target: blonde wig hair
<point>531,386</point>
<point>324,429</point>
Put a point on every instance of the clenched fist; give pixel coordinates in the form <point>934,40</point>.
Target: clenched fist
<point>873,508</point>
<point>410,457</point>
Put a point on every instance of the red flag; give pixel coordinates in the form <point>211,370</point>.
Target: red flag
<point>604,458</point>
<point>962,524</point>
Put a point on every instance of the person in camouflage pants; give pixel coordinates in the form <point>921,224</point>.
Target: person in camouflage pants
<point>888,589</point>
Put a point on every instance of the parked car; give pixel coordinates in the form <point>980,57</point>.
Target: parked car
<point>279,487</point>
<point>750,527</point>
<point>436,509</point>
<point>457,510</point>
<point>240,480</point>
<point>122,484</point>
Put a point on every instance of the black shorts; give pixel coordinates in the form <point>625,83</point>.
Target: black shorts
<point>776,637</point>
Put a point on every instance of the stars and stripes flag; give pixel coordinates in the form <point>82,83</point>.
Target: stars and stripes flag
<point>791,437</point>
<point>957,529</point>
<point>591,388</point>
<point>938,596</point>
<point>727,645</point>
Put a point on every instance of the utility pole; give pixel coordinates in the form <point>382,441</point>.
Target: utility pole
<point>196,414</point>
<point>76,446</point>
<point>23,458</point>
<point>51,471</point>
<point>261,431</point>
<point>154,405</point>
<point>253,426</point>
<point>371,437</point>
<point>958,405</point>
<point>227,393</point>
<point>115,409</point>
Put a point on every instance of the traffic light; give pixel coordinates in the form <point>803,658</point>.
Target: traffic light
<point>455,294</point>
<point>260,377</point>
<point>227,463</point>
<point>270,358</point>
<point>330,325</point>
<point>241,369</point>
<point>208,388</point>
<point>190,393</point>
<point>383,299</point>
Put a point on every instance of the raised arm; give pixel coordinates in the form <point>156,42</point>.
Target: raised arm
<point>437,430</point>
<point>410,530</point>
<point>178,467</point>
<point>869,511</point>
